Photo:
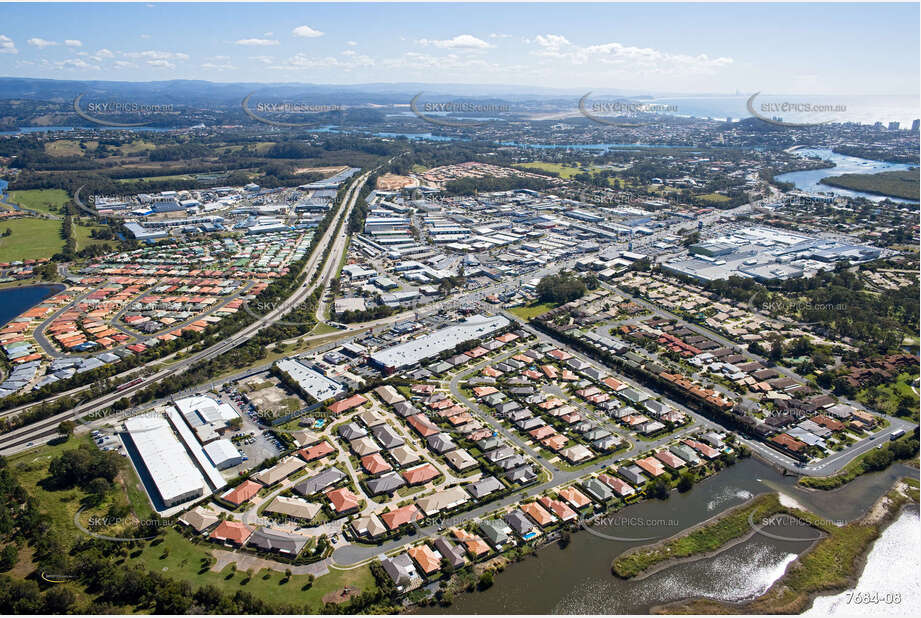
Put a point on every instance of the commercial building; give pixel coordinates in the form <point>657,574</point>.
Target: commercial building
<point>429,346</point>
<point>174,475</point>
<point>313,382</point>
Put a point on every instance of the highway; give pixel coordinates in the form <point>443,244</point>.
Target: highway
<point>26,436</point>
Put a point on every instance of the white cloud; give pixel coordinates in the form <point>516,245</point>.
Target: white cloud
<point>156,55</point>
<point>626,58</point>
<point>351,43</point>
<point>73,43</point>
<point>497,35</point>
<point>161,64</point>
<point>352,60</point>
<point>7,46</point>
<point>124,64</point>
<point>551,43</point>
<point>41,43</point>
<point>263,59</point>
<point>306,32</point>
<point>75,63</point>
<point>257,42</point>
<point>211,66</point>
<point>461,41</point>
<point>104,53</point>
<point>144,36</point>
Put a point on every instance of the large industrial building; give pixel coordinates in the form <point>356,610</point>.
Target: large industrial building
<point>431,345</point>
<point>313,382</point>
<point>766,254</point>
<point>174,475</point>
<point>181,449</point>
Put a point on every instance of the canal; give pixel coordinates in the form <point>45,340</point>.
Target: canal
<point>578,579</point>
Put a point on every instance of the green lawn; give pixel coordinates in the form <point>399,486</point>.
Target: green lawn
<point>886,397</point>
<point>713,198</point>
<point>564,170</point>
<point>47,201</point>
<point>526,312</point>
<point>30,239</point>
<point>324,329</point>
<point>183,561</point>
<point>61,505</point>
<point>84,240</point>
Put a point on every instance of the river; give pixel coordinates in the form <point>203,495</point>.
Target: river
<point>892,573</point>
<point>578,579</point>
<point>810,180</point>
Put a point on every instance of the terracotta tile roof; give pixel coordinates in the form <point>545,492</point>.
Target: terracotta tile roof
<point>343,499</point>
<point>402,515</point>
<point>242,492</point>
<point>233,531</point>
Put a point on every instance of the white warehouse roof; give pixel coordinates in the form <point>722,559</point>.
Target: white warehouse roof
<point>433,344</point>
<point>221,452</point>
<point>170,468</point>
<point>313,382</point>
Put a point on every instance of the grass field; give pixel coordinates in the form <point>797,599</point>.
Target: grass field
<point>713,198</point>
<point>46,201</point>
<point>174,555</point>
<point>886,397</point>
<point>323,329</point>
<point>62,504</point>
<point>526,312</point>
<point>182,559</point>
<point>565,171</point>
<point>30,239</point>
<point>136,146</point>
<point>82,233</point>
<point>68,147</point>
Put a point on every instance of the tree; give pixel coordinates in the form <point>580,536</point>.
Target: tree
<point>98,486</point>
<point>66,428</point>
<point>658,490</point>
<point>560,288</point>
<point>685,481</point>
<point>59,599</point>
<point>8,557</point>
<point>486,580</point>
<point>565,539</point>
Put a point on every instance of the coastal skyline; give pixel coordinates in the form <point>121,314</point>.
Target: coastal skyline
<point>656,48</point>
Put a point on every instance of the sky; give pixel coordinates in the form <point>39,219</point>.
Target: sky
<point>840,49</point>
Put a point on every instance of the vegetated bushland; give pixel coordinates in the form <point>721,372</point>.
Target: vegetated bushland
<point>104,577</point>
<point>900,183</point>
<point>560,288</point>
<point>470,186</point>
